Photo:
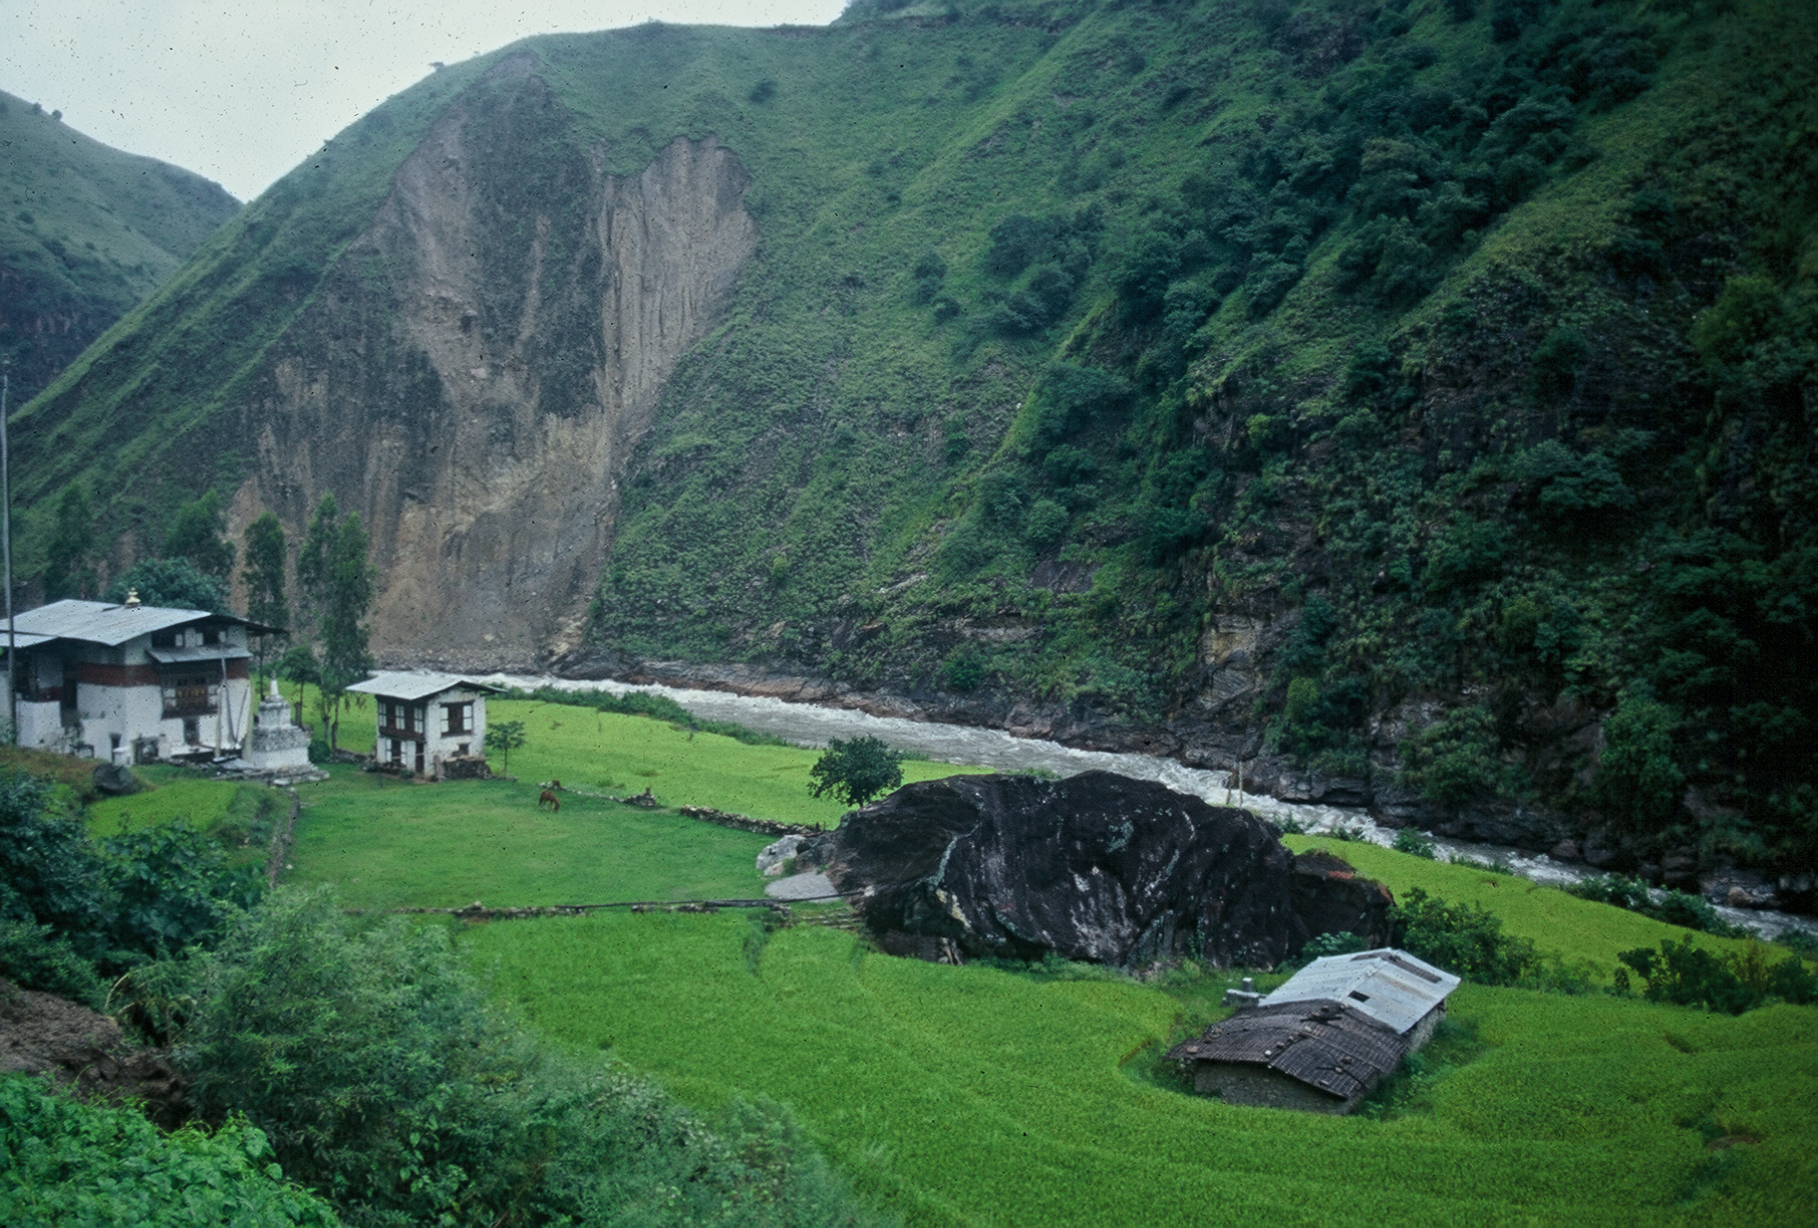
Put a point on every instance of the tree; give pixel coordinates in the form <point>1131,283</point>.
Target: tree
<point>195,535</point>
<point>299,665</point>
<point>266,550</point>
<point>857,770</point>
<point>175,583</point>
<point>69,570</point>
<point>336,583</point>
<point>505,737</point>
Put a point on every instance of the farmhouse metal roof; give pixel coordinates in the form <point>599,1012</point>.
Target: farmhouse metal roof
<point>1322,1044</point>
<point>1389,986</point>
<point>97,622</point>
<point>411,685</point>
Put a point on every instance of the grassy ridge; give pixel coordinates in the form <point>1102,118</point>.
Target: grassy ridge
<point>86,232</point>
<point>974,1096</point>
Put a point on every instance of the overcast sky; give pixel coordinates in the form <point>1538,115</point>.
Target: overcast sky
<point>240,91</point>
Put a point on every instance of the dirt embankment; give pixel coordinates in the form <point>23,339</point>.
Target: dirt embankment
<point>86,1052</point>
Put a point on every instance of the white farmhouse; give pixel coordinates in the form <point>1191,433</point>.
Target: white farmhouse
<point>426,718</point>
<point>132,683</point>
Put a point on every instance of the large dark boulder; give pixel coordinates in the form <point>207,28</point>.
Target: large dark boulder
<point>1097,867</point>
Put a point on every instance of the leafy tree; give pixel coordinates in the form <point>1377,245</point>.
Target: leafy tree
<point>266,552</point>
<point>299,665</point>
<point>505,737</point>
<point>337,582</point>
<point>69,571</point>
<point>856,770</point>
<point>195,535</point>
<point>176,583</point>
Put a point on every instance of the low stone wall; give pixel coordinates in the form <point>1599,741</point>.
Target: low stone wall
<point>744,822</point>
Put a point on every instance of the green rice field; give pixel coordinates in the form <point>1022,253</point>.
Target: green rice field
<point>982,1097</point>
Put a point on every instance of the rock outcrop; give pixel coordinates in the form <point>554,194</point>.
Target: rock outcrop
<point>475,368</point>
<point>1097,867</point>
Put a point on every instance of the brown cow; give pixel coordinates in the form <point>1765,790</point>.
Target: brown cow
<point>555,803</point>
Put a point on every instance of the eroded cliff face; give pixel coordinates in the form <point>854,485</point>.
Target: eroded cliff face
<point>482,359</point>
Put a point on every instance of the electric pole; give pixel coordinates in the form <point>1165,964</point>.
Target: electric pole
<point>6,547</point>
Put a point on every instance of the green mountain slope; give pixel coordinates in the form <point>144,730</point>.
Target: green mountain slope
<point>86,232</point>
<point>1405,400</point>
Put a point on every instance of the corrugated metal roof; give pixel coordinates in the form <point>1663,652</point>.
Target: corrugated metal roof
<point>1389,986</point>
<point>412,685</point>
<point>197,652</point>
<point>1323,1044</point>
<point>96,622</point>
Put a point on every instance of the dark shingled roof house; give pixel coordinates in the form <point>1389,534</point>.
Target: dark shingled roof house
<point>1323,1039</point>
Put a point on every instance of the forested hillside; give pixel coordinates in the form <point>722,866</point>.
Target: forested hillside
<point>86,232</point>
<point>1408,400</point>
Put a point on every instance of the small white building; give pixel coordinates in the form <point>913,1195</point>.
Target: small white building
<point>425,718</point>
<point>132,683</point>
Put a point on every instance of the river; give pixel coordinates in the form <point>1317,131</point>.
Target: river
<point>813,725</point>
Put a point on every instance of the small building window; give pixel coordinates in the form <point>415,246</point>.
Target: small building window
<point>457,718</point>
<point>211,635</point>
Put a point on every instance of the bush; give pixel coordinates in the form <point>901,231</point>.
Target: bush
<point>1412,841</point>
<point>964,670</point>
<point>67,1163</point>
<point>1637,778</point>
<point>1733,982</point>
<point>1045,523</point>
<point>35,957</point>
<point>1465,939</point>
<point>1694,912</point>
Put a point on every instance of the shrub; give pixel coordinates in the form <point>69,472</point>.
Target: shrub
<point>35,957</point>
<point>1321,945</point>
<point>964,670</point>
<point>1045,523</point>
<point>1734,982</point>
<point>68,1163</point>
<point>1455,760</point>
<point>1465,939</point>
<point>140,895</point>
<point>1637,778</point>
<point>1412,841</point>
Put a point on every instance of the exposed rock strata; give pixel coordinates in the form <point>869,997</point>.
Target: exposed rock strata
<point>478,364</point>
<point>1096,867</point>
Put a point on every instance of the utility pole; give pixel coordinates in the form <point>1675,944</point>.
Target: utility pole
<point>6,546</point>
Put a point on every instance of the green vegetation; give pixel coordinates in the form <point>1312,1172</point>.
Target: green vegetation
<point>388,844</point>
<point>382,1077</point>
<point>335,581</point>
<point>70,901</point>
<point>855,770</point>
<point>69,1165</point>
<point>961,1095</point>
<point>86,232</point>
<point>1466,344</point>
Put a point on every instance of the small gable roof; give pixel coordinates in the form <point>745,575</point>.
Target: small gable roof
<point>1322,1044</point>
<point>97,622</point>
<point>415,684</point>
<point>1391,987</point>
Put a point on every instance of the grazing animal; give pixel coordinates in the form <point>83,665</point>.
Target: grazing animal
<point>555,803</point>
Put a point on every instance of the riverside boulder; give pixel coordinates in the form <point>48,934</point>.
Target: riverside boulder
<point>1097,867</point>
